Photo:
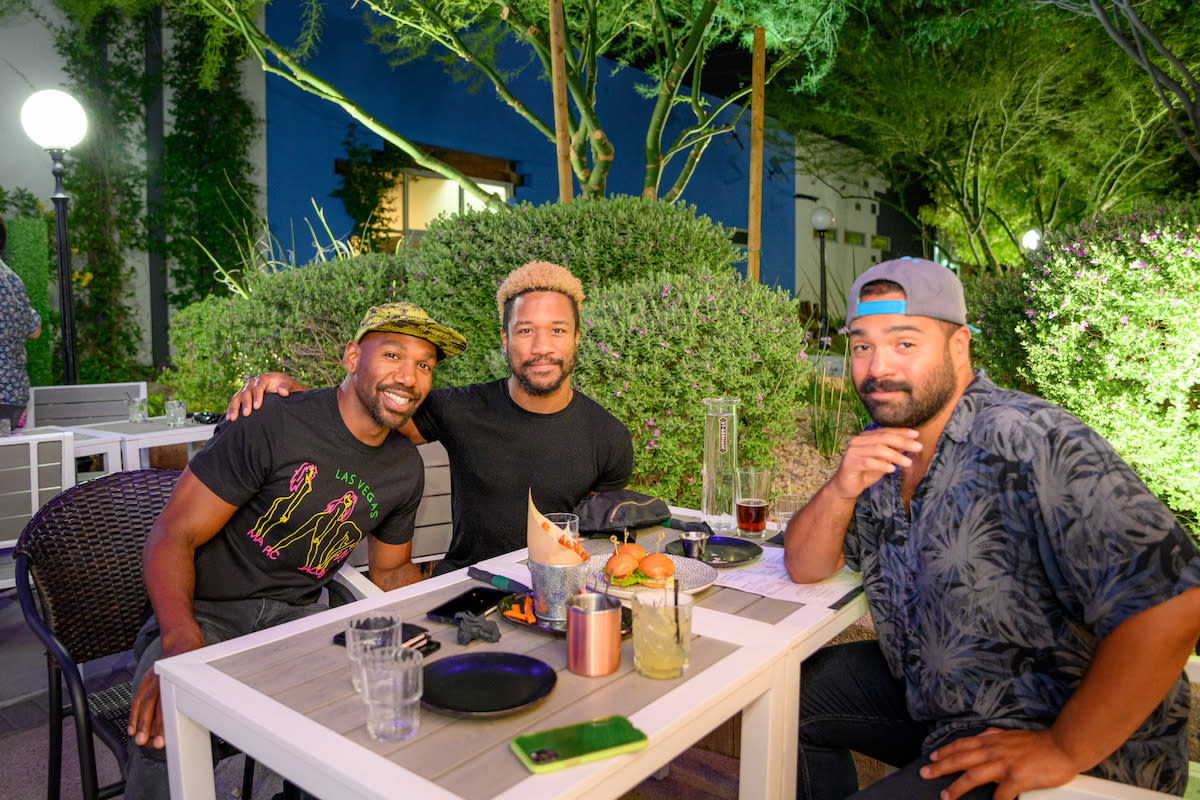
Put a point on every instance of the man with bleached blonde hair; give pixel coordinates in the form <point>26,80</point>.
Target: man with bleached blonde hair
<point>529,431</point>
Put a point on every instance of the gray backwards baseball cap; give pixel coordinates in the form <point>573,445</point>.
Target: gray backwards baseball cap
<point>930,290</point>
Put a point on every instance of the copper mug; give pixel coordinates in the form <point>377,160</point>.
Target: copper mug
<point>593,634</point>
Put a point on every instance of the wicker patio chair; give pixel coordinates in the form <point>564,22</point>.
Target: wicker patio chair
<point>79,580</point>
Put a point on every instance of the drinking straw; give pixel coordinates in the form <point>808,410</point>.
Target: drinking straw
<point>678,634</point>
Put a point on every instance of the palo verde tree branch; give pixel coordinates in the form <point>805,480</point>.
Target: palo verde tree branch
<point>227,13</point>
<point>670,77</point>
<point>446,35</point>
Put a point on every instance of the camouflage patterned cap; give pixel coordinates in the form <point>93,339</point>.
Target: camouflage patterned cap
<point>411,319</point>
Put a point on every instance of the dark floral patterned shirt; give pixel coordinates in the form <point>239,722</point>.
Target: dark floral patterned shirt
<point>17,321</point>
<point>1029,541</point>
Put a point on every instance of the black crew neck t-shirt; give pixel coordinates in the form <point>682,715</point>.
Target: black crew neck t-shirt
<point>499,451</point>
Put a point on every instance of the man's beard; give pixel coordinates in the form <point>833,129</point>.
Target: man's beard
<point>919,409</point>
<point>542,389</point>
<point>385,418</point>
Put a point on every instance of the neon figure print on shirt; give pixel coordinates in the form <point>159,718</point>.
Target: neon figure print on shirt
<point>330,533</point>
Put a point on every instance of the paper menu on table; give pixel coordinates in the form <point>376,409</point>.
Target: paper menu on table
<point>767,576</point>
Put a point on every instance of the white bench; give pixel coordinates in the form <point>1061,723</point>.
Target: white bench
<point>82,403</point>
<point>33,468</point>
<point>1085,787</point>
<point>434,525</point>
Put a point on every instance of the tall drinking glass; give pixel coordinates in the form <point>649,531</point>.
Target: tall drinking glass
<point>371,632</point>
<point>753,491</point>
<point>720,462</point>
<point>392,685</point>
<point>662,632</point>
<point>176,411</point>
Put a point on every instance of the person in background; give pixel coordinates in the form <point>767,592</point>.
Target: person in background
<point>1035,604</point>
<point>531,430</point>
<point>266,513</point>
<point>18,322</point>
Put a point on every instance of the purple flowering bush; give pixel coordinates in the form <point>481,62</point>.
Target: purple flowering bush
<point>294,320</point>
<point>462,259</point>
<point>996,306</point>
<point>1112,334</point>
<point>655,346</point>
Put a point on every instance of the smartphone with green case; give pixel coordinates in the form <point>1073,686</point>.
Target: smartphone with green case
<point>545,751</point>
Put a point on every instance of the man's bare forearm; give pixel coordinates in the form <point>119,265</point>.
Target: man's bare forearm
<point>388,579</point>
<point>815,535</point>
<point>813,543</point>
<point>169,570</point>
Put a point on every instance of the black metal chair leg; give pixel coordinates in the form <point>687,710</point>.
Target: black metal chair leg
<point>86,747</point>
<point>54,698</point>
<point>248,779</point>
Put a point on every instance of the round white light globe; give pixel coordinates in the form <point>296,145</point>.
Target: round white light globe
<point>822,218</point>
<point>1031,239</point>
<point>53,120</point>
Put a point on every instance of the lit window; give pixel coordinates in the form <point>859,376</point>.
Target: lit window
<point>418,198</point>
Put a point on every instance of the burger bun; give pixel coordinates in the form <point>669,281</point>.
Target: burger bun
<point>657,568</point>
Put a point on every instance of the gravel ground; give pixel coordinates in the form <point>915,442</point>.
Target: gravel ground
<point>799,467</point>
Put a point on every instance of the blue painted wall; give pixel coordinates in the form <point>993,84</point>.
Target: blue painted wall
<point>420,101</point>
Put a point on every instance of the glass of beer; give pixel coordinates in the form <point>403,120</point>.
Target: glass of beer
<point>750,501</point>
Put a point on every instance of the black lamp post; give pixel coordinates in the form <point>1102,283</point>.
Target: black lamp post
<point>56,122</point>
<point>822,221</point>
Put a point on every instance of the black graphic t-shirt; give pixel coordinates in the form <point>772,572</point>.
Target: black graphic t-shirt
<point>306,490</point>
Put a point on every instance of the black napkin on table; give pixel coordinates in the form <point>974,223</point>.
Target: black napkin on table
<point>474,626</point>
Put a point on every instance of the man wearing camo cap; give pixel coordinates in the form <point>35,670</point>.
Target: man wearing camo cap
<point>268,511</point>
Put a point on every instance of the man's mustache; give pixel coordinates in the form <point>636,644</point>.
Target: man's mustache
<point>874,385</point>
<point>538,362</point>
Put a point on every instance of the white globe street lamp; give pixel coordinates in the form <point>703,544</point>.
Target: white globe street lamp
<point>56,122</point>
<point>1031,239</point>
<point>822,220</point>
<point>53,120</point>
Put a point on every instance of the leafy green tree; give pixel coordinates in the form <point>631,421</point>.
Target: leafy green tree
<point>1163,40</point>
<point>1021,125</point>
<point>668,39</point>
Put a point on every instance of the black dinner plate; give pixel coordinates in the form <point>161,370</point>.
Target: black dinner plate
<point>487,684</point>
<point>554,628</point>
<point>722,551</point>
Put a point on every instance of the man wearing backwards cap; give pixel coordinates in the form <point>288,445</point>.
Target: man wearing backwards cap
<point>1034,603</point>
<point>529,431</point>
<point>266,513</point>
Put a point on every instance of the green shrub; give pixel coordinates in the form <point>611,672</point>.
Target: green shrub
<point>29,257</point>
<point>654,347</point>
<point>997,307</point>
<point>463,258</point>
<point>297,321</point>
<point>1113,336</point>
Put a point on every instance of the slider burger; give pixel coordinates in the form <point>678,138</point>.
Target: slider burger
<point>626,569</point>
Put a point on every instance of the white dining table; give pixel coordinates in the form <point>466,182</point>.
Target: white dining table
<point>284,697</point>
<point>137,437</point>
<point>799,628</point>
<point>90,442</point>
